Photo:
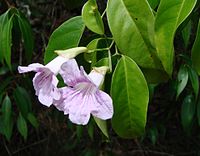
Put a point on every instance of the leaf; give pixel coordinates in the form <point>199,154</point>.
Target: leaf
<point>187,112</point>
<point>22,126</point>
<point>170,14</point>
<point>7,118</point>
<point>153,132</point>
<point>3,20</point>
<point>64,37</point>
<point>186,33</point>
<point>33,120</point>
<point>194,81</point>
<point>102,124</point>
<point>196,51</point>
<point>133,30</point>
<point>130,96</point>
<point>6,41</point>
<point>27,35</point>
<point>154,75</point>
<point>154,3</point>
<point>91,57</point>
<point>23,101</point>
<point>182,80</point>
<point>92,17</point>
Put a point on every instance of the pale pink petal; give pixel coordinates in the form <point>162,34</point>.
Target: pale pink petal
<point>70,72</point>
<point>31,67</point>
<point>96,78</point>
<point>45,99</point>
<point>56,64</point>
<point>104,106</point>
<point>78,106</point>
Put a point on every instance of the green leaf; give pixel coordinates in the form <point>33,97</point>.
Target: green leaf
<point>3,20</point>
<point>154,75</point>
<point>182,80</point>
<point>187,112</point>
<point>33,120</point>
<point>6,41</point>
<point>154,3</point>
<point>27,35</point>
<point>7,118</point>
<point>194,81</point>
<point>92,17</point>
<point>153,132</point>
<point>171,13</point>
<point>102,124</point>
<point>130,95</point>
<point>133,30</point>
<point>22,126</point>
<point>196,51</point>
<point>91,57</point>
<point>64,37</point>
<point>23,101</point>
<point>186,33</point>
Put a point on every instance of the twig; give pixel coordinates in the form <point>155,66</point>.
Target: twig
<point>140,147</point>
<point>8,151</point>
<point>28,146</point>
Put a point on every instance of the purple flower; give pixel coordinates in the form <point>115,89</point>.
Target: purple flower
<point>82,96</point>
<point>45,80</point>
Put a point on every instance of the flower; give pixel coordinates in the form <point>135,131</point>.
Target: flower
<point>82,96</point>
<point>45,80</point>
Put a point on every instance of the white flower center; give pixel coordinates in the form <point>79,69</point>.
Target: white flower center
<point>86,88</point>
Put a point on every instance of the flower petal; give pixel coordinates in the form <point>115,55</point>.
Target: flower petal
<point>45,99</point>
<point>96,78</point>
<point>104,106</point>
<point>78,106</point>
<point>71,73</point>
<point>56,64</point>
<point>31,67</point>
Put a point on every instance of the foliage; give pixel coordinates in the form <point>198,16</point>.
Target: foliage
<point>145,44</point>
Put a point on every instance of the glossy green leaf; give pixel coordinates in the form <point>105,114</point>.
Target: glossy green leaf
<point>130,96</point>
<point>133,30</point>
<point>194,81</point>
<point>196,51</point>
<point>3,20</point>
<point>154,3</point>
<point>186,32</point>
<point>91,57</point>
<point>92,17</point>
<point>22,126</point>
<point>64,37</point>
<point>27,35</point>
<point>7,117</point>
<point>182,80</point>
<point>23,101</point>
<point>6,41</point>
<point>171,13</point>
<point>187,112</point>
<point>33,120</point>
<point>102,124</point>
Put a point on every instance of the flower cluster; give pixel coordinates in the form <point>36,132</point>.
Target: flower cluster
<point>81,95</point>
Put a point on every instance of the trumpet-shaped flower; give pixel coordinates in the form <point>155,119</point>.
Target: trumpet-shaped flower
<point>45,80</point>
<point>82,97</point>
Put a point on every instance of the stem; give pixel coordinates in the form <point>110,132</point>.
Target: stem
<point>104,12</point>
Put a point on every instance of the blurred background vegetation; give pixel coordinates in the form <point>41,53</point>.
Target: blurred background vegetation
<point>28,128</point>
